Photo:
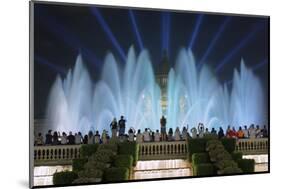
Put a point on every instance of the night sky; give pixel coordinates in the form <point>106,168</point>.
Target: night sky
<point>61,32</point>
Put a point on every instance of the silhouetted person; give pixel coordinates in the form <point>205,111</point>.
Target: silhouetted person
<point>63,138</point>
<point>49,138</point>
<point>39,140</point>
<point>122,125</point>
<point>97,138</point>
<point>114,127</point>
<point>213,131</point>
<point>220,133</point>
<point>139,137</point>
<point>85,139</point>
<point>71,138</point>
<point>264,132</point>
<point>131,133</point>
<point>157,136</point>
<point>55,138</point>
<point>163,122</point>
<point>90,137</point>
<point>246,132</point>
<point>170,134</point>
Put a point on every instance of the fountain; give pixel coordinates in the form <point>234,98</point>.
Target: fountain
<point>76,103</point>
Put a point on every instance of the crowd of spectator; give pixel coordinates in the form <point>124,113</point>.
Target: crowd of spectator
<point>118,131</point>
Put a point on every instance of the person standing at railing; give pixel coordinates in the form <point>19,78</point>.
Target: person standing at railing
<point>177,135</point>
<point>264,132</point>
<point>63,138</point>
<point>200,130</point>
<point>193,132</point>
<point>104,136</point>
<point>157,136</point>
<point>131,133</point>
<point>78,138</point>
<point>170,134</point>
<point>139,137</point>
<point>163,122</point>
<point>55,139</point>
<point>114,127</point>
<point>246,132</point>
<point>184,133</point>
<point>39,141</point>
<point>146,136</point>
<point>49,138</point>
<point>220,133</point>
<point>252,132</point>
<point>71,139</point>
<point>85,139</point>
<point>240,133</point>
<point>258,132</point>
<point>91,137</point>
<point>97,138</point>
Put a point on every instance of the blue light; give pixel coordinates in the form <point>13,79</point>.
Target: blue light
<point>109,33</point>
<point>195,31</point>
<point>53,67</point>
<point>214,40</point>
<point>136,30</point>
<point>166,22</point>
<point>261,64</point>
<point>68,38</point>
<point>236,49</point>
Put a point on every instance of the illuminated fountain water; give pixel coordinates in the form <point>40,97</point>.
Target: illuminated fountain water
<point>76,103</point>
<point>197,96</point>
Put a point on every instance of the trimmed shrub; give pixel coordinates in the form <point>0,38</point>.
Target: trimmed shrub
<point>199,158</point>
<point>247,165</point>
<point>95,165</point>
<point>88,150</point>
<point>236,156</point>
<point>111,146</point>
<point>204,169</point>
<point>196,145</point>
<point>129,148</point>
<point>230,170</point>
<point>64,178</point>
<point>85,180</point>
<point>90,173</point>
<point>105,156</point>
<point>226,163</point>
<point>116,174</point>
<point>123,161</point>
<point>229,144</point>
<point>78,164</point>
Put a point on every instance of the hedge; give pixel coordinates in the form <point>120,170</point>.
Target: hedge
<point>229,144</point>
<point>204,169</point>
<point>116,174</point>
<point>105,156</point>
<point>129,148</point>
<point>87,150</point>
<point>236,156</point>
<point>123,161</point>
<point>78,164</point>
<point>247,165</point>
<point>196,145</point>
<point>64,178</point>
<point>199,158</point>
<point>111,146</point>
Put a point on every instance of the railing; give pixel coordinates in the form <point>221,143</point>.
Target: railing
<point>162,150</point>
<point>62,154</point>
<point>252,146</point>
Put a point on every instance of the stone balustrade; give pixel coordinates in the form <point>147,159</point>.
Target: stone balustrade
<point>252,146</point>
<point>60,154</point>
<point>63,154</point>
<point>162,150</point>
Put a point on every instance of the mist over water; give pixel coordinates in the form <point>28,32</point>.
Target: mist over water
<point>76,103</point>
